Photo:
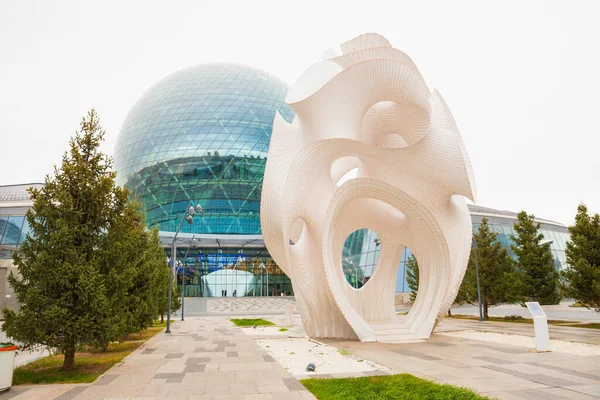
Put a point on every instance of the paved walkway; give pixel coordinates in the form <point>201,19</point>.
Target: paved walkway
<point>208,358</point>
<point>204,358</point>
<point>496,370</point>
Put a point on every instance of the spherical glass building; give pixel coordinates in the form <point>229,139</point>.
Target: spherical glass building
<point>202,135</point>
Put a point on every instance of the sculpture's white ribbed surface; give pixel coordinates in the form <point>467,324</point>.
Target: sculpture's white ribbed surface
<point>370,110</point>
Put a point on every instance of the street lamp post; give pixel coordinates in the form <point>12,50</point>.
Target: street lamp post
<point>189,216</point>
<point>349,261</point>
<point>183,277</point>
<point>262,265</point>
<point>478,285</point>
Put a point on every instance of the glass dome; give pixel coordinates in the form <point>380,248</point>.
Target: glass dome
<point>202,135</point>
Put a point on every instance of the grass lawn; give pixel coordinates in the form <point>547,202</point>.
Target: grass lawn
<point>590,325</point>
<point>404,386</point>
<point>512,318</point>
<point>252,322</point>
<point>89,363</point>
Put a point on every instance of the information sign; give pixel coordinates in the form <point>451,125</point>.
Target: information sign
<point>540,326</point>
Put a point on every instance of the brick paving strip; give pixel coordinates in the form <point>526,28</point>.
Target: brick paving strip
<point>204,358</point>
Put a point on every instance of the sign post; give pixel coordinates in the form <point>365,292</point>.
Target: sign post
<point>540,326</point>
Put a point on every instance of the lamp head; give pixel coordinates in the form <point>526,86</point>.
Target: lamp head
<point>190,219</point>
<point>191,210</point>
<point>198,208</point>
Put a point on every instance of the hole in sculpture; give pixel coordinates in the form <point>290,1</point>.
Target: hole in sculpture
<point>409,274</point>
<point>343,169</point>
<point>296,232</point>
<point>360,255</point>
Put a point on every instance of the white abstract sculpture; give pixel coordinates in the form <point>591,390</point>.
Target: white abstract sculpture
<point>367,112</point>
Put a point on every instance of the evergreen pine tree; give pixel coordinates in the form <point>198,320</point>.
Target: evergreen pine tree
<point>537,277</point>
<point>132,257</point>
<point>582,276</point>
<point>496,271</point>
<point>412,276</point>
<point>61,289</point>
<point>412,279</point>
<point>90,271</point>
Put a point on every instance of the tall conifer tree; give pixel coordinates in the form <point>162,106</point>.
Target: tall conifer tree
<point>537,276</point>
<point>84,268</point>
<point>496,271</point>
<point>582,276</point>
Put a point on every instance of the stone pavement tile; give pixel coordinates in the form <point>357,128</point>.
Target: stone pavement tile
<point>293,384</point>
<point>568,394</point>
<point>558,373</point>
<point>503,349</point>
<point>202,353</point>
<point>592,390</point>
<point>232,354</point>
<point>198,360</point>
<point>194,368</point>
<point>71,394</point>
<point>112,391</point>
<point>260,396</point>
<point>287,396</point>
<point>416,354</point>
<point>38,392</point>
<point>13,392</point>
<point>463,373</point>
<point>567,371</point>
<point>495,384</point>
<point>272,389</point>
<point>537,395</point>
<point>494,360</point>
<point>502,395</point>
<point>171,368</point>
<point>243,388</point>
<point>174,355</point>
<point>178,391</point>
<point>244,366</point>
<point>106,379</point>
<point>269,381</point>
<point>218,387</point>
<point>544,379</point>
<point>248,376</point>
<point>268,358</point>
<point>148,351</point>
<point>156,390</point>
<point>307,395</point>
<point>440,344</point>
<point>171,377</point>
<point>211,367</point>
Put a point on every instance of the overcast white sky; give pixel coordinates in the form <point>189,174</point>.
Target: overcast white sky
<point>521,77</point>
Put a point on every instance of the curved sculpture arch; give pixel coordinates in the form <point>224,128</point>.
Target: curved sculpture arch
<point>367,110</point>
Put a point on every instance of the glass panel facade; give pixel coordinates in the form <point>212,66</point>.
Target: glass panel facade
<point>229,272</point>
<point>12,233</point>
<point>202,135</point>
<point>360,255</point>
